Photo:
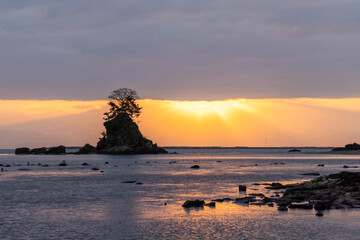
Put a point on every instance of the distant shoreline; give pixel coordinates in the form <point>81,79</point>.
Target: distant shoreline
<point>349,152</point>
<point>215,147</point>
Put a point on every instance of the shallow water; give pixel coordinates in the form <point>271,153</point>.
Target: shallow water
<point>75,202</point>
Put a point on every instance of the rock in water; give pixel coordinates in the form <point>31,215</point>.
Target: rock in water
<point>57,150</point>
<point>63,164</point>
<point>23,150</point>
<point>124,137</point>
<point>195,203</point>
<point>38,150</point>
<point>242,188</point>
<point>195,167</point>
<point>319,214</point>
<point>86,149</point>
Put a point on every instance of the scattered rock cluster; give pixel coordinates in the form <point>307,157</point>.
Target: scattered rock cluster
<point>335,191</point>
<point>340,190</point>
<point>43,150</point>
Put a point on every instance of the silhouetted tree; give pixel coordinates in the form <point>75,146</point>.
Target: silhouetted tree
<point>123,100</point>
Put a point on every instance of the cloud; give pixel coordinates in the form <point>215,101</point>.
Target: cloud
<point>179,49</point>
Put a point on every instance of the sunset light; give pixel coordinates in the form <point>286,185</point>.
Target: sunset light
<point>234,122</point>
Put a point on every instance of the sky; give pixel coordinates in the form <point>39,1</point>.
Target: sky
<point>227,73</point>
<point>179,49</point>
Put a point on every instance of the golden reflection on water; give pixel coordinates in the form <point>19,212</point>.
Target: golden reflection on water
<point>221,210</point>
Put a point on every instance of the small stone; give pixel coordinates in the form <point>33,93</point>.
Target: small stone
<point>63,164</point>
<point>129,181</point>
<point>242,188</point>
<point>319,214</point>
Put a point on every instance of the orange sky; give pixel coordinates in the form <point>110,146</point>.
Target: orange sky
<point>236,122</point>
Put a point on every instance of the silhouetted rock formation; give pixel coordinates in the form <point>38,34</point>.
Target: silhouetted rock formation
<point>124,137</point>
<point>43,150</point>
<point>23,150</point>
<point>340,190</point>
<point>348,147</point>
<point>86,149</point>
<point>57,150</point>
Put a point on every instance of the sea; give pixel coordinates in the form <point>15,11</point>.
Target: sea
<point>41,200</point>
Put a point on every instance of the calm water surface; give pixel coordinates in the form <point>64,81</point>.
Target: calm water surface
<point>75,202</point>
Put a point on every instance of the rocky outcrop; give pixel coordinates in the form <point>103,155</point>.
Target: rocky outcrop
<point>348,147</point>
<point>124,137</point>
<point>57,150</point>
<point>23,150</point>
<point>43,150</point>
<point>341,190</point>
<point>86,149</point>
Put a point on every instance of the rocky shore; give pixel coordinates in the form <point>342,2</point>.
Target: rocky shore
<point>335,191</point>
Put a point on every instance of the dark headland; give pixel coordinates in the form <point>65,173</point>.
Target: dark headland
<point>122,135</point>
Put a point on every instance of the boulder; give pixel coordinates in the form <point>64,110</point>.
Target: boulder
<point>319,214</point>
<point>348,147</point>
<point>210,204</point>
<point>86,149</point>
<point>193,203</point>
<point>124,137</point>
<point>301,205</point>
<point>41,150</point>
<point>57,150</point>
<point>23,150</point>
<point>63,164</point>
<point>246,199</point>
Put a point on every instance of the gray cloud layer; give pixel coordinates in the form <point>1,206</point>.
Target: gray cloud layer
<point>181,49</point>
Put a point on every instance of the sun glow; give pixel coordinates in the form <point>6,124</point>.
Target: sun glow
<point>207,108</point>
<point>234,122</point>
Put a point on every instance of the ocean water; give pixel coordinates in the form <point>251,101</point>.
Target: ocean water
<point>76,202</point>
